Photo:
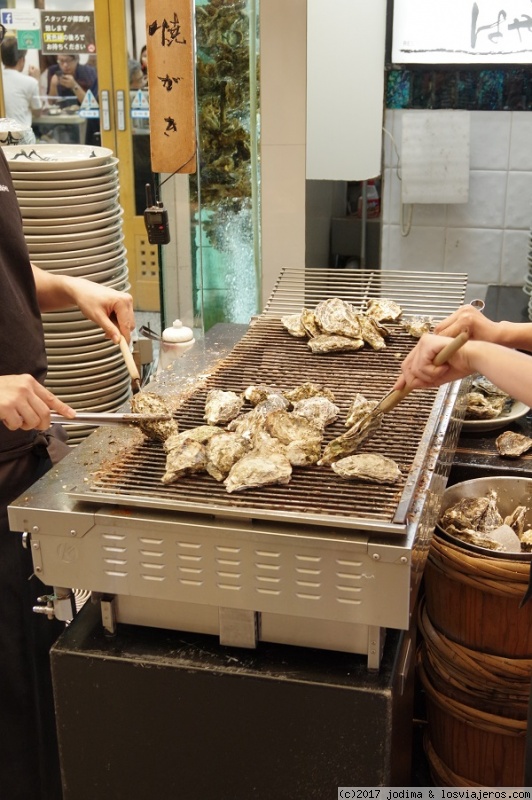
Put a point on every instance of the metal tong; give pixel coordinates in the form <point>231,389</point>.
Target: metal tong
<point>109,418</point>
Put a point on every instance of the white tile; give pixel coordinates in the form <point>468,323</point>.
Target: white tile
<point>474,251</point>
<point>490,139</point>
<point>487,197</point>
<point>422,249</point>
<point>514,265</point>
<point>521,138</point>
<point>519,200</point>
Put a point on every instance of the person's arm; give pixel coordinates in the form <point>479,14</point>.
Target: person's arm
<point>509,369</point>
<point>36,102</point>
<point>510,334</point>
<point>111,310</point>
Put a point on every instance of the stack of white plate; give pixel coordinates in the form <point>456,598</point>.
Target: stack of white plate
<point>527,288</point>
<point>68,197</point>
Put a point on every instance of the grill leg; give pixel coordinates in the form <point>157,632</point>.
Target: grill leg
<point>238,627</point>
<point>375,645</point>
<point>107,605</point>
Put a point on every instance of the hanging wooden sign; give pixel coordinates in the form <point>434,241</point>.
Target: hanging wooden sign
<point>170,45</point>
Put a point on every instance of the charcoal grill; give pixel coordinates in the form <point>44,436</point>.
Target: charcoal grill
<point>318,562</point>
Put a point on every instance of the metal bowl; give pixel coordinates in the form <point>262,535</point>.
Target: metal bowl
<point>511,492</point>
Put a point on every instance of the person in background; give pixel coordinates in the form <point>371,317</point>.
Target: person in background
<point>137,78</point>
<point>29,762</point>
<point>493,350</point>
<point>22,98</point>
<point>143,59</point>
<point>70,81</point>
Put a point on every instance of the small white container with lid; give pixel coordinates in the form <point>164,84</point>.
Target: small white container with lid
<point>175,341</point>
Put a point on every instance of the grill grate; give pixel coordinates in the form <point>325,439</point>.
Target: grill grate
<point>267,353</point>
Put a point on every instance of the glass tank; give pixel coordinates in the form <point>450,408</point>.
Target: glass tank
<point>224,192</point>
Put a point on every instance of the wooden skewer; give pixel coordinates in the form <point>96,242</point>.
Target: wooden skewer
<point>130,364</point>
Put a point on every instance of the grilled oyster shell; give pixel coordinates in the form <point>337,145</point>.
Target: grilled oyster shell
<point>222,452</point>
<point>308,389</point>
<point>371,332</point>
<point>185,459</point>
<point>368,467</point>
<point>337,317</point>
<point>416,326</point>
<point>258,392</point>
<point>479,406</point>
<point>151,403</point>
<point>318,410</point>
<point>222,406</point>
<point>263,466</point>
<point>512,445</point>
<point>301,438</point>
<point>348,442</point>
<point>360,407</point>
<point>384,310</point>
<point>308,321</point>
<point>294,326</point>
<point>325,343</point>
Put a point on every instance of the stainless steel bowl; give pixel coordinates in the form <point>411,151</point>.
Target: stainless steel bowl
<point>511,492</point>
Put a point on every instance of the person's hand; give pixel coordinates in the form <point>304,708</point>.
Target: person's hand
<point>68,81</point>
<point>26,405</point>
<point>418,370</point>
<point>472,320</point>
<point>111,310</point>
<point>33,72</point>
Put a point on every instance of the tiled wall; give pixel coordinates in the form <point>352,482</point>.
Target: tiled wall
<point>488,237</point>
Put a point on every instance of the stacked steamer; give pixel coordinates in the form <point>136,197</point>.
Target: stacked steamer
<point>68,197</point>
<point>475,660</point>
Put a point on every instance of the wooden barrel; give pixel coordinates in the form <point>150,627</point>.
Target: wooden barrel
<point>483,749</point>
<point>474,599</point>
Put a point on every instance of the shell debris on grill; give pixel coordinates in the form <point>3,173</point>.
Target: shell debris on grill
<point>151,403</point>
<point>416,326</point>
<point>512,445</point>
<point>369,467</point>
<point>221,406</point>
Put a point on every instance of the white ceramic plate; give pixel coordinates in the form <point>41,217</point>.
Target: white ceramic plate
<point>58,370</point>
<point>24,194</point>
<point>55,156</point>
<point>67,174</point>
<point>59,253</point>
<point>78,210</point>
<point>102,395</point>
<point>114,405</point>
<point>49,244</point>
<point>97,381</point>
<point>74,224</point>
<point>517,411</point>
<point>68,315</point>
<point>98,244</point>
<point>61,265</point>
<point>118,272</point>
<point>77,338</point>
<point>65,185</point>
<point>80,323</point>
<point>80,198</point>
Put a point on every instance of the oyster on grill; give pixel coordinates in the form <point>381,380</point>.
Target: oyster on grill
<point>265,465</point>
<point>151,403</point>
<point>294,326</point>
<point>318,410</point>
<point>417,326</point>
<point>479,406</point>
<point>348,442</point>
<point>188,457</point>
<point>309,323</point>
<point>301,438</point>
<point>336,317</point>
<point>200,434</point>
<point>371,332</point>
<point>369,467</point>
<point>360,407</point>
<point>249,424</point>
<point>222,406</point>
<point>222,452</point>
<point>257,392</point>
<point>512,445</point>
<point>308,389</point>
<point>325,343</point>
<point>384,310</point>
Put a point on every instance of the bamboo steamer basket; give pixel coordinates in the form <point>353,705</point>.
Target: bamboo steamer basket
<point>472,594</point>
<point>483,749</point>
<point>440,772</point>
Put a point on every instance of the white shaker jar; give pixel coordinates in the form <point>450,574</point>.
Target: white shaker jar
<point>175,341</point>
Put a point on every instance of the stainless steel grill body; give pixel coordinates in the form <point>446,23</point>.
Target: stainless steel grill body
<point>319,562</point>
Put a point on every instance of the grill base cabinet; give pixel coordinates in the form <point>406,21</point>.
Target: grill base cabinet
<point>155,713</point>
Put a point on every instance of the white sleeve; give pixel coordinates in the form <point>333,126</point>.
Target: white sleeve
<point>35,98</point>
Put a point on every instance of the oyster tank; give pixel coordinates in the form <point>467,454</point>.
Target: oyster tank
<point>225,192</point>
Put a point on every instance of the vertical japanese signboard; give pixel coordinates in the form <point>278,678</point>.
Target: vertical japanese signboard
<point>170,43</point>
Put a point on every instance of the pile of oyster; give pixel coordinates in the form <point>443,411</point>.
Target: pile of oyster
<point>478,521</point>
<point>338,326</point>
<point>485,400</point>
<point>256,438</point>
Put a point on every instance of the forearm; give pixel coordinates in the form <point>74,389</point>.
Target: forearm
<point>515,334</point>
<point>55,291</point>
<point>508,369</point>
